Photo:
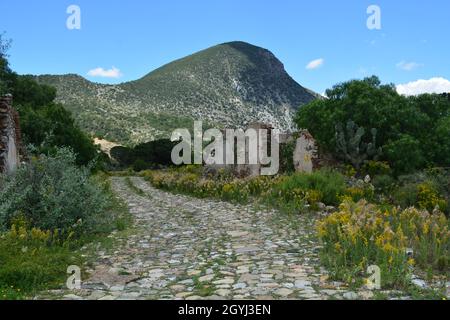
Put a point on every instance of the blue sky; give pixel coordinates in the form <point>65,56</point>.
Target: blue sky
<point>137,36</point>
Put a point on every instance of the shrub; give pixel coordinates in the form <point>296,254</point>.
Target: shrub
<point>144,156</point>
<point>355,193</point>
<point>235,191</point>
<point>425,190</point>
<point>441,182</point>
<point>261,185</point>
<point>383,183</point>
<point>35,257</point>
<point>359,189</point>
<point>51,126</point>
<point>375,168</point>
<point>405,196</point>
<point>51,192</point>
<point>140,165</point>
<point>328,183</point>
<point>428,198</point>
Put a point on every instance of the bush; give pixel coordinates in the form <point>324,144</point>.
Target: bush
<point>51,209</point>
<point>51,192</point>
<point>375,168</point>
<point>426,190</point>
<point>191,180</point>
<point>49,125</point>
<point>145,156</point>
<point>358,189</point>
<point>441,182</point>
<point>140,165</point>
<point>405,196</point>
<point>329,184</point>
<point>428,198</point>
<point>383,183</point>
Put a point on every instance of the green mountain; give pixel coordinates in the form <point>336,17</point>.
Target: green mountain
<point>228,85</point>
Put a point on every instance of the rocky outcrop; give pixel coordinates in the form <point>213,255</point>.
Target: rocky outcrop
<point>10,136</point>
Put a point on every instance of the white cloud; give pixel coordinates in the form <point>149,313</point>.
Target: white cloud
<point>315,64</point>
<point>408,66</point>
<point>100,72</point>
<point>433,85</point>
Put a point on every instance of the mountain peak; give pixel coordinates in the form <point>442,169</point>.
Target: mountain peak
<point>227,85</point>
<point>242,45</point>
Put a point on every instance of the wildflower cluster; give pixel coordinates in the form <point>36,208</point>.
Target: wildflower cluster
<point>223,186</point>
<point>361,234</point>
<point>428,198</point>
<point>294,193</point>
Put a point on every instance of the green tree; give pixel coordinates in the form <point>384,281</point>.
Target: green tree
<point>145,155</point>
<point>5,71</point>
<point>45,124</point>
<point>401,122</point>
<point>405,154</point>
<point>442,142</point>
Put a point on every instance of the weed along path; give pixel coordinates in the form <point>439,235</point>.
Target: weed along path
<point>186,248</point>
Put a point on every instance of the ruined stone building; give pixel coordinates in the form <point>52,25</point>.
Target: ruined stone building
<point>10,136</point>
<point>304,154</point>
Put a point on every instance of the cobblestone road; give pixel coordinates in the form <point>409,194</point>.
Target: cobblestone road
<point>187,248</point>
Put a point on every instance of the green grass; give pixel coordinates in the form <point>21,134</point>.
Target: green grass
<point>202,289</point>
<point>425,294</point>
<point>27,266</point>
<point>11,293</point>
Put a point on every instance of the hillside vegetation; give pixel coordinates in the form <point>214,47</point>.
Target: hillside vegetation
<point>231,84</point>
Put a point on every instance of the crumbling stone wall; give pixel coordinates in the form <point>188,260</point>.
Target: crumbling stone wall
<point>304,156</point>
<point>305,153</point>
<point>10,136</point>
<point>254,170</point>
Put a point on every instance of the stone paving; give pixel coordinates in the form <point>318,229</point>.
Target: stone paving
<point>187,248</point>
